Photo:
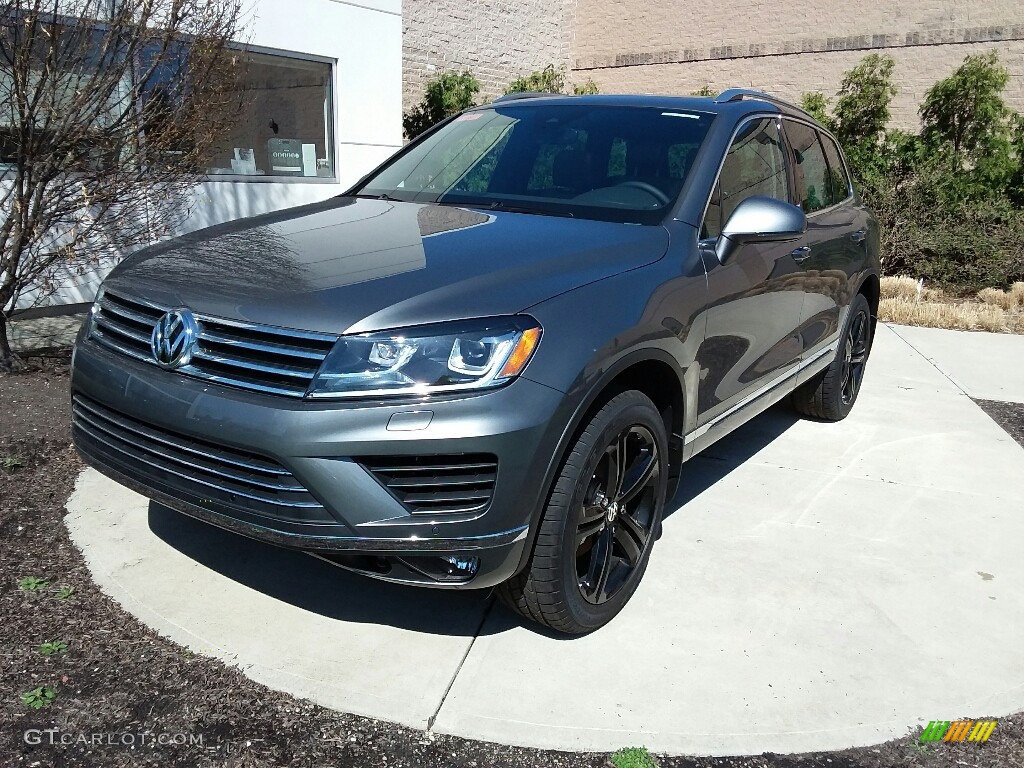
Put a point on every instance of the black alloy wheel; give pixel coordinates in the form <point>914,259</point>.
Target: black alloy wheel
<point>831,394</point>
<point>617,514</point>
<point>598,528</point>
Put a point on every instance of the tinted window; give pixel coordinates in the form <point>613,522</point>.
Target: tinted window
<point>581,159</point>
<point>755,165</point>
<point>837,171</point>
<point>814,189</point>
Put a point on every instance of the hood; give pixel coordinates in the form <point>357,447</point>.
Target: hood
<point>352,265</point>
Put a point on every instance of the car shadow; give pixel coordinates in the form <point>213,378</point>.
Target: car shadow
<point>327,590</point>
<point>717,461</point>
<point>319,587</point>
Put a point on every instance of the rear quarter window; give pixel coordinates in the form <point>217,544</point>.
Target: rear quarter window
<point>840,180</point>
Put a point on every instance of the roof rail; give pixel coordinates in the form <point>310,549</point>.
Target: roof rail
<point>738,94</point>
<point>522,95</point>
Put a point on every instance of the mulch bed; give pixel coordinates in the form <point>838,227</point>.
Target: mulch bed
<point>1009,416</point>
<point>120,681</point>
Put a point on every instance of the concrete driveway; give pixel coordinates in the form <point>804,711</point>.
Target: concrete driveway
<point>817,586</point>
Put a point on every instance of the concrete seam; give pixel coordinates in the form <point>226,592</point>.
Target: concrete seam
<point>930,361</point>
<point>444,697</point>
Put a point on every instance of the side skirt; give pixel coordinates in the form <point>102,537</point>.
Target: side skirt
<point>758,401</point>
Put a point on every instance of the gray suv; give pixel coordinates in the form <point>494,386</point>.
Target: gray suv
<point>486,364</point>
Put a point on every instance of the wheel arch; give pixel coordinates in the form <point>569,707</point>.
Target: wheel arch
<point>871,289</point>
<point>651,371</point>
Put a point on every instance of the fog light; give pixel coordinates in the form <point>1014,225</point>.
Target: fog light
<point>462,567</point>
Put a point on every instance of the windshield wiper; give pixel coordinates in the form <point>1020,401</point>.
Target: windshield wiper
<point>381,196</point>
<point>500,205</point>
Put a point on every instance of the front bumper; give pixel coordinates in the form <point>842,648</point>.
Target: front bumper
<point>132,420</point>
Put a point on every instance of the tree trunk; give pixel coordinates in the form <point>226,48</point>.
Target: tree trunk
<point>8,360</point>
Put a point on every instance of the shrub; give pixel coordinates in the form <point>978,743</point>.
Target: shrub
<point>815,104</point>
<point>446,94</point>
<point>551,79</point>
<point>948,199</point>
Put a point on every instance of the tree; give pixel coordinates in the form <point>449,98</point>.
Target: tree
<point>966,111</point>
<point>447,93</point>
<point>815,104</point>
<point>862,106</point>
<point>108,114</point>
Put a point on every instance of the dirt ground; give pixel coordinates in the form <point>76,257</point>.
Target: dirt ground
<point>123,695</point>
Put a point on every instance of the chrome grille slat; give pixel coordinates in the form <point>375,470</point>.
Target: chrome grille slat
<point>123,330</point>
<point>211,470</point>
<point>271,348</point>
<point>119,309</point>
<point>258,358</point>
<point>277,370</point>
<point>101,336</point>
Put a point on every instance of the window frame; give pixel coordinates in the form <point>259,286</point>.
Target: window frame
<point>332,81</point>
<point>821,133</point>
<point>7,170</point>
<point>777,117</point>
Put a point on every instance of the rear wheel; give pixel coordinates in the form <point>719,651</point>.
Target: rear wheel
<point>831,394</point>
<point>600,522</point>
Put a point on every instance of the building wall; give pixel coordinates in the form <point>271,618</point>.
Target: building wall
<point>497,40</point>
<point>678,46</point>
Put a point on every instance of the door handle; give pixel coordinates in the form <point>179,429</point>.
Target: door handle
<point>859,236</point>
<point>803,253</point>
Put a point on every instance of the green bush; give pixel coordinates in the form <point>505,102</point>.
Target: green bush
<point>949,198</point>
<point>446,94</point>
<point>551,79</point>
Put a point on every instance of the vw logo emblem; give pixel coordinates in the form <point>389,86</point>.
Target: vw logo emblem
<point>174,338</point>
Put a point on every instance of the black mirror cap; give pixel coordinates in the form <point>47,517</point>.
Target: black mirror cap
<point>760,219</point>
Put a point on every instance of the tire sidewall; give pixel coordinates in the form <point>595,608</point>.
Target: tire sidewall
<point>641,411</point>
<point>856,306</point>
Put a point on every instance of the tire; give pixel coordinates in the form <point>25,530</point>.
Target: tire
<point>831,395</point>
<point>598,528</point>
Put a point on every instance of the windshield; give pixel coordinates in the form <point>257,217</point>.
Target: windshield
<point>624,164</point>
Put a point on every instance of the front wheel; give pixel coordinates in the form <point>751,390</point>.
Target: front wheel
<point>600,522</point>
<point>831,394</point>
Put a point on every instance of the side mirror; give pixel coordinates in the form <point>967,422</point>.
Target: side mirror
<point>760,219</point>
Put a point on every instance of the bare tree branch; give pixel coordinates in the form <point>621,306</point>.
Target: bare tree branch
<point>108,118</point>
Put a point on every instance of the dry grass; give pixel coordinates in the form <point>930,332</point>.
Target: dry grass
<point>1009,301</point>
<point>993,310</point>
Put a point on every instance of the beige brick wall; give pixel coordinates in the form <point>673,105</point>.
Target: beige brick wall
<point>677,46</point>
<point>497,40</point>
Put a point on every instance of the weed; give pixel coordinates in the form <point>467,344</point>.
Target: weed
<point>50,647</point>
<point>32,583</point>
<point>39,697</point>
<point>634,757</point>
<point>65,592</point>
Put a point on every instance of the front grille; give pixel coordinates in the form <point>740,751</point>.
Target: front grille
<point>437,484</point>
<point>256,357</point>
<point>202,470</point>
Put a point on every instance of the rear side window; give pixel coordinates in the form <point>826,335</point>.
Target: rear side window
<point>755,165</point>
<point>837,171</point>
<point>814,188</point>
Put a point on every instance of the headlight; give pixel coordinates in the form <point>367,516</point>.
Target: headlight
<point>451,357</point>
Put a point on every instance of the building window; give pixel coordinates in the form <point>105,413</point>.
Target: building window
<point>284,128</point>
